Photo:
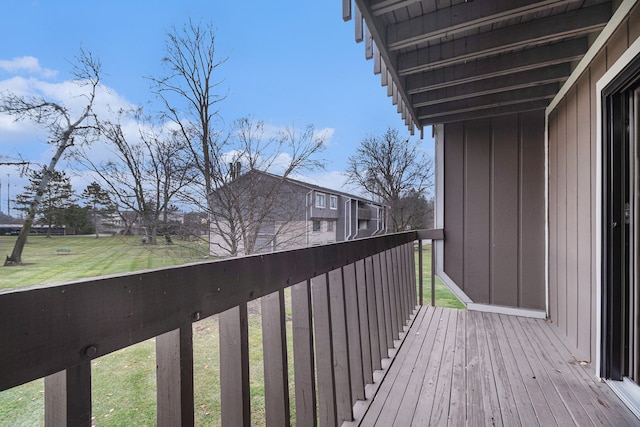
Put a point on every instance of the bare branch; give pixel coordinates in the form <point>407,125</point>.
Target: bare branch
<point>391,168</point>
<point>62,128</point>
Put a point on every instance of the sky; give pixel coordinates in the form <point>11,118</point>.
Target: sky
<point>287,63</point>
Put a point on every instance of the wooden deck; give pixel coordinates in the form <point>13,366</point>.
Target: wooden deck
<point>460,367</point>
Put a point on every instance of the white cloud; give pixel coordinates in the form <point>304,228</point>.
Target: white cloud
<point>325,134</point>
<point>275,131</point>
<point>26,138</point>
<point>28,64</point>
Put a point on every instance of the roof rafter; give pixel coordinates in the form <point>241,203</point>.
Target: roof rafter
<point>554,28</point>
<point>462,17</point>
<point>502,65</point>
<point>385,6</point>
<point>517,96</point>
<point>488,112</point>
<point>554,74</point>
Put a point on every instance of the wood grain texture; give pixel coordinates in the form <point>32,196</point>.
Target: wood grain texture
<point>174,373</point>
<point>459,367</point>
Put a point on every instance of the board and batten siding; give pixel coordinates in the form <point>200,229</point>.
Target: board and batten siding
<point>494,209</point>
<point>572,143</point>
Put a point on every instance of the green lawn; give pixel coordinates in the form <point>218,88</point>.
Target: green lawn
<point>123,383</point>
<point>61,258</point>
<point>444,297</point>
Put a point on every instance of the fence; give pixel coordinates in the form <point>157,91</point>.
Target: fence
<point>350,300</point>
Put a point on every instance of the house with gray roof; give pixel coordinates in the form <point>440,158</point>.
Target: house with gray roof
<point>267,212</point>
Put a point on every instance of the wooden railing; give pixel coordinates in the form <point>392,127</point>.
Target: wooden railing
<point>349,302</point>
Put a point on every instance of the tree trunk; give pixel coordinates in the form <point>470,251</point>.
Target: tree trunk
<point>95,220</point>
<point>18,247</point>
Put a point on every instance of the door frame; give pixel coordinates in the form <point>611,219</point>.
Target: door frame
<point>624,72</point>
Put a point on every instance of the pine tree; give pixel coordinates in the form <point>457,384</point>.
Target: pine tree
<point>56,198</point>
<point>99,201</point>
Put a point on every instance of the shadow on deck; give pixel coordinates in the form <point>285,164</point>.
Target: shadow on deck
<point>462,367</point>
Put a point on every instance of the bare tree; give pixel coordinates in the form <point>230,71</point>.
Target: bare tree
<point>63,128</point>
<point>389,168</point>
<point>415,210</point>
<point>250,211</point>
<point>145,174</point>
<point>189,93</point>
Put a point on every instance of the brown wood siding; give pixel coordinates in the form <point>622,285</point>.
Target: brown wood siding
<point>504,221</point>
<point>494,209</point>
<point>585,213</point>
<point>553,216</point>
<point>531,211</point>
<point>572,212</point>
<point>572,195</point>
<point>477,207</point>
<point>453,198</point>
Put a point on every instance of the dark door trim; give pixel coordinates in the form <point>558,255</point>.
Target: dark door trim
<point>619,132</point>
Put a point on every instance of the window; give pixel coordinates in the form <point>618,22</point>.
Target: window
<point>320,202</point>
<point>317,225</point>
<point>330,225</point>
<point>333,202</point>
<point>363,224</point>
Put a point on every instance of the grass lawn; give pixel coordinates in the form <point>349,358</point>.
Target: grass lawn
<point>61,258</point>
<point>444,297</point>
<point>123,382</point>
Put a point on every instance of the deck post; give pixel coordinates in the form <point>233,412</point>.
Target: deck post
<point>67,396</point>
<point>420,271</point>
<point>433,273</point>
<point>174,373</point>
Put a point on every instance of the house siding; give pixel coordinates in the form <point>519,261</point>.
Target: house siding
<point>289,223</point>
<point>572,145</point>
<point>494,209</point>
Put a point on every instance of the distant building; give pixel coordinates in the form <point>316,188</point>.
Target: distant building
<point>300,214</point>
<point>128,223</point>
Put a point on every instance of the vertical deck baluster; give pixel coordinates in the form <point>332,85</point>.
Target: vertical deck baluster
<point>397,282</point>
<point>411,277</point>
<point>365,324</point>
<point>433,273</point>
<point>394,277</point>
<point>410,264</point>
<point>353,332</point>
<point>404,285</point>
<point>411,260</point>
<point>303,360</point>
<point>420,272</point>
<point>341,358</point>
<point>376,326</point>
<point>276,378</point>
<point>382,301</point>
<point>67,397</point>
<point>235,402</point>
<point>174,376</point>
<point>390,287</point>
<point>324,351</point>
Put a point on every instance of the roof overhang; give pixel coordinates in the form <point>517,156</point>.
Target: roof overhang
<point>444,61</point>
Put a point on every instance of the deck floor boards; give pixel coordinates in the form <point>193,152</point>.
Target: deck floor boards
<point>459,367</point>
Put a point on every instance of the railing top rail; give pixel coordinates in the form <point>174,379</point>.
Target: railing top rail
<point>48,328</point>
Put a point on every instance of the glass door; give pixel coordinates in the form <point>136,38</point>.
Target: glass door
<point>621,338</point>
